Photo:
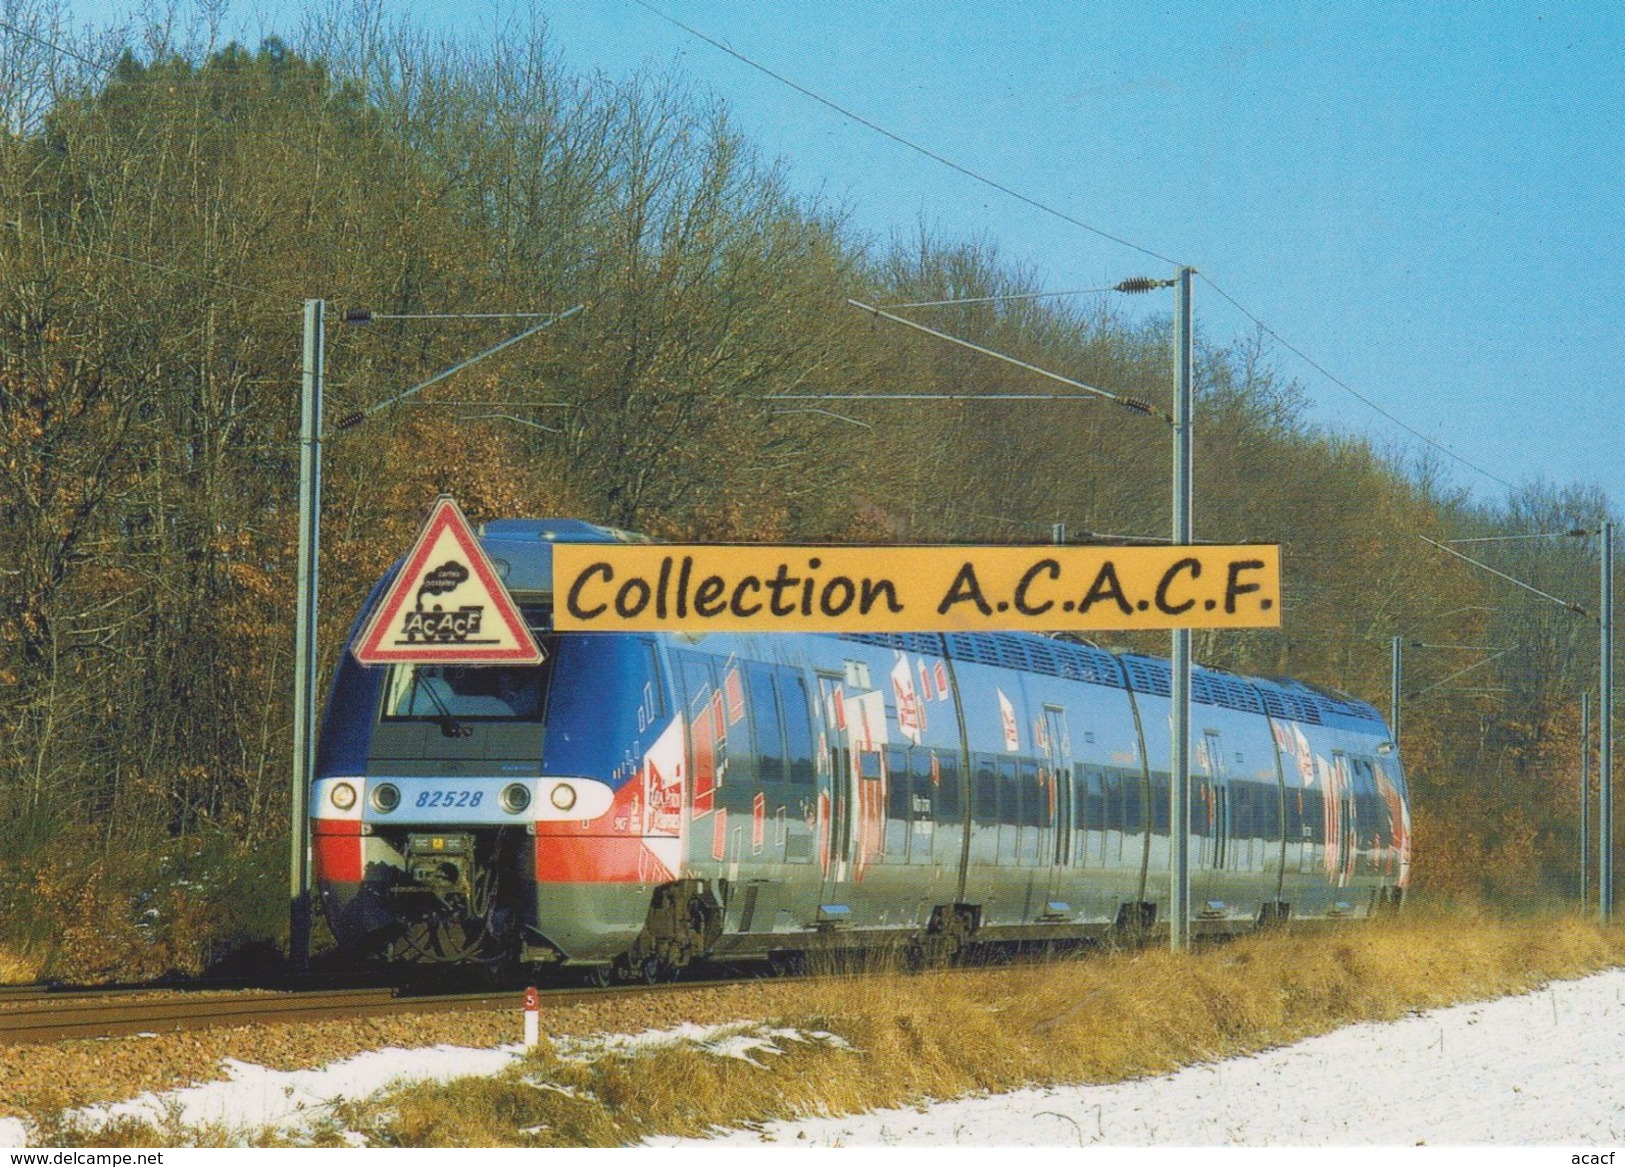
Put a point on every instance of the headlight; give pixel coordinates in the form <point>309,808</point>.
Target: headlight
<point>564,796</point>
<point>342,795</point>
<point>515,797</point>
<point>385,797</point>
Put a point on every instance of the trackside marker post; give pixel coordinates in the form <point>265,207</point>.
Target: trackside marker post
<point>533,1018</point>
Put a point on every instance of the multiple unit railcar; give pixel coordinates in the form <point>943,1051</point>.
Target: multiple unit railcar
<point>639,801</point>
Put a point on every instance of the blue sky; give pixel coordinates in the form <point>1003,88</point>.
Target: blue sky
<point>1423,199</point>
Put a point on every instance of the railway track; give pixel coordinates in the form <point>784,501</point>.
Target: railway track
<point>37,1014</point>
<point>34,1015</point>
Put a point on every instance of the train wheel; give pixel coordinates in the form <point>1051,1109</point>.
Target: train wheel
<point>599,977</point>
<point>788,964</point>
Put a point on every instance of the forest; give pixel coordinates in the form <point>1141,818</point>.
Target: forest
<point>169,202</point>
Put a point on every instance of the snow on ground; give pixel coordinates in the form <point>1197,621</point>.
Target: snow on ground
<point>1537,1070</point>
<point>255,1098</point>
<point>1543,1069</point>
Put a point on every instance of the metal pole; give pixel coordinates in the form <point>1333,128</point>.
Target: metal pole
<point>1605,768</point>
<point>1179,779</point>
<point>1585,796</point>
<point>304,650</point>
<point>1397,677</point>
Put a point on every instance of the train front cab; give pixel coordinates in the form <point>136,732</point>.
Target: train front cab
<point>483,813</point>
<point>487,812</point>
<point>427,781</point>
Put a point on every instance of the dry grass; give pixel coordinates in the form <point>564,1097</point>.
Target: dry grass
<point>948,1034</point>
<point>901,1039</point>
<point>20,965</point>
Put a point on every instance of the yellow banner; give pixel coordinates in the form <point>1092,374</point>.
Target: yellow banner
<point>649,587</point>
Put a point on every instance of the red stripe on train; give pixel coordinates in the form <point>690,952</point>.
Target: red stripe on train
<point>336,850</point>
<point>596,859</point>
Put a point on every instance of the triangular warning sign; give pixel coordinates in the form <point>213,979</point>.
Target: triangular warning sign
<point>447,605</point>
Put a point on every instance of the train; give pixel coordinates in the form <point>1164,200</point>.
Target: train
<point>639,802</point>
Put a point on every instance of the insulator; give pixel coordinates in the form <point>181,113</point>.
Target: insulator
<point>1141,284</point>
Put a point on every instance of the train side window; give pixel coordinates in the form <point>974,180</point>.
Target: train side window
<point>740,772</point>
<point>1079,826</point>
<point>1094,801</point>
<point>983,790</point>
<point>695,673</point>
<point>1241,809</point>
<point>1114,800</point>
<point>945,785</point>
<point>1133,805</point>
<point>1299,825</point>
<point>1034,812</point>
<point>1034,795</point>
<point>897,805</point>
<point>798,731</point>
<point>1269,812</point>
<point>1009,813</point>
<point>987,792</point>
<point>926,781</point>
<point>1159,803</point>
<point>896,783</point>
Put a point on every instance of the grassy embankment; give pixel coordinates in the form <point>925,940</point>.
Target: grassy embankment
<point>899,1039</point>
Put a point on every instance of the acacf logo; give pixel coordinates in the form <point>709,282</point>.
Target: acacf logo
<point>435,625</point>
<point>447,605</point>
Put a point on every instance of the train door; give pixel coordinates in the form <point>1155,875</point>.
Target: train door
<point>708,819</point>
<point>1216,796</point>
<point>1344,847</point>
<point>1058,784</point>
<point>835,790</point>
<point>1372,819</point>
<point>1219,777</point>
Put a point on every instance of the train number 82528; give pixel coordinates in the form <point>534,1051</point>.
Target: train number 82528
<point>450,798</point>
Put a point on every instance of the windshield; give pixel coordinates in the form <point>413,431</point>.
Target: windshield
<point>465,692</point>
<point>473,692</point>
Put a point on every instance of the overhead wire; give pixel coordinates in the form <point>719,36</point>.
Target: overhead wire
<point>1039,205</point>
<point>7,26</point>
<point>933,155</point>
<point>1349,389</point>
<point>1000,299</point>
<point>899,139</point>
